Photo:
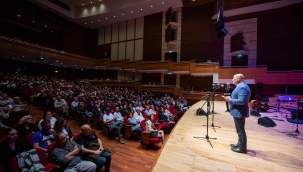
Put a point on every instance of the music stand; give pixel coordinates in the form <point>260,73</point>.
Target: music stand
<point>207,114</point>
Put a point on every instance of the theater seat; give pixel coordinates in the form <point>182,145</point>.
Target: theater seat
<point>76,136</point>
<point>50,150</point>
<point>146,140</point>
<point>28,141</point>
<point>128,129</point>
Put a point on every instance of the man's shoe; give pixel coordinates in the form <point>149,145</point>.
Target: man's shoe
<point>233,145</point>
<point>238,150</point>
<point>121,141</point>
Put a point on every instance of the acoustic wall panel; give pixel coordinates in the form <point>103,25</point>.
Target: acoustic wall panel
<point>139,27</point>
<point>108,34</point>
<point>139,49</point>
<point>101,36</point>
<point>114,51</point>
<point>121,53</point>
<point>138,76</point>
<point>130,50</point>
<point>115,32</point>
<point>129,75</point>
<point>130,29</point>
<point>122,31</point>
<point>120,75</point>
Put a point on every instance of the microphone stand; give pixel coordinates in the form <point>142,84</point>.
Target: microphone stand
<point>207,138</point>
<point>297,130</point>
<point>213,109</point>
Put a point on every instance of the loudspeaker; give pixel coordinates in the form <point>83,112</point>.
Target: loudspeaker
<point>201,112</point>
<point>254,113</point>
<point>222,33</point>
<point>266,122</point>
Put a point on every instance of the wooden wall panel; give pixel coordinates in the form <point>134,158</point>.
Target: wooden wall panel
<point>199,40</point>
<point>121,52</point>
<point>122,31</point>
<point>130,45</point>
<point>114,51</point>
<point>108,34</point>
<point>101,36</point>
<point>199,83</point>
<point>139,49</point>
<point>139,27</point>
<point>115,32</point>
<point>152,37</point>
<point>130,29</point>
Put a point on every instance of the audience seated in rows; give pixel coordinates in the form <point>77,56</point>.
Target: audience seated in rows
<point>150,127</point>
<point>43,138</point>
<point>61,126</point>
<point>4,115</point>
<point>25,127</point>
<point>113,123</point>
<point>48,116</point>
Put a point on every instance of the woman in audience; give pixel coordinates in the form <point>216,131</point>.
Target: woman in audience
<point>10,147</point>
<point>150,127</point>
<point>60,126</point>
<point>48,115</point>
<point>25,127</point>
<point>135,123</point>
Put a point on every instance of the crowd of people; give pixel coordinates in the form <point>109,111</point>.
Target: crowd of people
<point>109,104</point>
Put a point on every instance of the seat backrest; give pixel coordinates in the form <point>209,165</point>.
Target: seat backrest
<point>126,119</point>
<point>37,122</point>
<point>50,149</point>
<point>142,125</point>
<point>2,169</point>
<point>15,126</point>
<point>2,129</point>
<point>172,109</point>
<point>76,136</point>
<point>13,165</point>
<point>42,156</point>
<point>28,141</point>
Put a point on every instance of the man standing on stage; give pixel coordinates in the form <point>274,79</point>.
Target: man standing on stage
<point>239,109</point>
<point>227,92</point>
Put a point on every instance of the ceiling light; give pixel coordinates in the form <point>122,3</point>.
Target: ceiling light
<point>52,31</point>
<point>34,61</point>
<point>51,64</point>
<point>84,23</point>
<point>23,56</point>
<point>91,2</point>
<point>75,65</point>
<point>131,11</point>
<point>151,6</point>
<point>122,14</point>
<point>92,22</point>
<point>56,60</point>
<point>106,18</point>
<point>45,25</point>
<point>98,20</point>
<point>33,21</point>
<point>64,66</point>
<point>13,58</point>
<point>100,0</point>
<point>162,2</point>
<point>18,15</point>
<point>114,16</point>
<point>61,63</point>
<point>82,4</point>
<point>141,9</point>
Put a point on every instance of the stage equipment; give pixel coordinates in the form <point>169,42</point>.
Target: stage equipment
<point>201,112</point>
<point>255,113</point>
<point>219,24</point>
<point>207,138</point>
<point>258,105</point>
<point>266,122</point>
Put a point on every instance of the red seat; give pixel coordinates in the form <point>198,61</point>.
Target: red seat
<point>28,141</point>
<point>15,126</point>
<point>14,167</point>
<point>76,136</point>
<point>146,135</point>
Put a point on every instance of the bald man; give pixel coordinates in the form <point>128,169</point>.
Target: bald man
<point>239,109</point>
<point>90,140</point>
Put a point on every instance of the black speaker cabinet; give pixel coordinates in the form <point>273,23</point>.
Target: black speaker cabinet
<point>201,112</point>
<point>255,113</point>
<point>266,122</point>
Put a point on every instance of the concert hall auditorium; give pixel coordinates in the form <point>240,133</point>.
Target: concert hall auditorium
<point>151,85</point>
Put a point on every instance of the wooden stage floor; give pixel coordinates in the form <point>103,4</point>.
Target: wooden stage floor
<point>269,149</point>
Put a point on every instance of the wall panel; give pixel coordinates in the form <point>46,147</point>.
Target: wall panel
<point>101,36</point>
<point>139,49</point>
<point>108,34</point>
<point>121,53</point>
<point>130,45</point>
<point>130,29</point>
<point>114,51</point>
<point>115,32</point>
<point>122,31</point>
<point>139,27</point>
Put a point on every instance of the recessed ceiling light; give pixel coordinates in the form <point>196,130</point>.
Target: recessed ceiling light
<point>34,61</point>
<point>91,2</point>
<point>51,64</point>
<point>92,22</point>
<point>100,0</point>
<point>141,9</point>
<point>122,14</point>
<point>23,56</point>
<point>131,11</point>
<point>61,63</point>
<point>151,6</point>
<point>82,4</point>
<point>64,66</point>
<point>106,18</point>
<point>33,21</point>
<point>98,20</point>
<point>114,16</point>
<point>13,58</point>
<point>18,15</point>
<point>84,23</point>
<point>162,2</point>
<point>77,68</point>
<point>52,31</point>
<point>45,25</point>
<point>56,60</point>
<point>75,65</point>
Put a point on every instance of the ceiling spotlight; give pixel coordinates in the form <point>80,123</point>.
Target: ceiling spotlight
<point>82,4</point>
<point>100,0</point>
<point>131,11</point>
<point>13,58</point>
<point>52,31</point>
<point>162,2</point>
<point>18,15</point>
<point>98,20</point>
<point>51,64</point>
<point>34,61</point>
<point>114,16</point>
<point>33,21</point>
<point>122,14</point>
<point>64,66</point>
<point>151,6</point>
<point>61,63</point>
<point>75,65</point>
<point>91,2</point>
<point>84,23</point>
<point>106,18</point>
<point>141,9</point>
<point>23,56</point>
<point>56,60</point>
<point>92,22</point>
<point>45,25</point>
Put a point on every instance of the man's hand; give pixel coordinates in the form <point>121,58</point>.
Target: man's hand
<point>97,152</point>
<point>101,148</point>
<point>227,98</point>
<point>76,150</point>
